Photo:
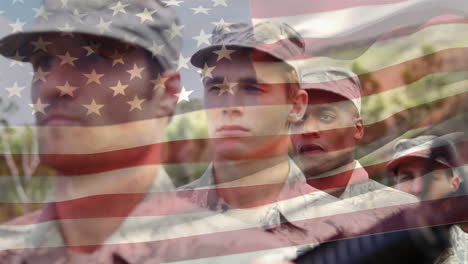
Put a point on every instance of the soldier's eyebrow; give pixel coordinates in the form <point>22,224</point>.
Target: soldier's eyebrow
<point>250,80</point>
<point>325,107</point>
<point>210,81</point>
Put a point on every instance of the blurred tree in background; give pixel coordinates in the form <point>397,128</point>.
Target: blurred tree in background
<point>187,146</point>
<point>23,182</point>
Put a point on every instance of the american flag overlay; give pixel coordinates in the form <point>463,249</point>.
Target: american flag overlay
<point>233,131</point>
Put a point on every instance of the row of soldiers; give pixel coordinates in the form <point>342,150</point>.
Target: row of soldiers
<point>112,201</point>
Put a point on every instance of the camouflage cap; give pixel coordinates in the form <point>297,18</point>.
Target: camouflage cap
<point>138,22</point>
<point>424,147</point>
<point>276,39</point>
<point>336,80</point>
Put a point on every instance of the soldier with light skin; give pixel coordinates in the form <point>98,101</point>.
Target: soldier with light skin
<point>102,103</point>
<point>428,168</point>
<point>460,141</point>
<point>413,164</point>
<point>95,93</point>
<point>252,96</point>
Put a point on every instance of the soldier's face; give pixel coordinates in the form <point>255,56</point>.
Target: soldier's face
<point>98,93</point>
<point>325,138</point>
<point>412,173</point>
<point>248,107</point>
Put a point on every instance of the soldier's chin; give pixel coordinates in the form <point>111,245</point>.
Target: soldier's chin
<point>313,164</point>
<point>57,155</point>
<point>230,149</point>
<point>64,164</point>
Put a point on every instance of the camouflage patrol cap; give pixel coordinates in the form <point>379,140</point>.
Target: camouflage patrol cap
<point>276,39</point>
<point>336,80</point>
<point>139,22</point>
<point>423,147</point>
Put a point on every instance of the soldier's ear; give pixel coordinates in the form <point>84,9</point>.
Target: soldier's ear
<point>299,106</point>
<point>359,132</point>
<point>167,94</point>
<point>455,183</point>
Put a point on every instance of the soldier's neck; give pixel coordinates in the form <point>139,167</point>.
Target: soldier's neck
<point>251,183</point>
<point>93,206</point>
<point>335,181</point>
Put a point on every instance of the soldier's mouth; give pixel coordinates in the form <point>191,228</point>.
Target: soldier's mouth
<point>311,149</point>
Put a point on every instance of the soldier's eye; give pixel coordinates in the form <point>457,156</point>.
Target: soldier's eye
<point>214,88</point>
<point>405,178</point>
<point>327,116</point>
<point>42,60</point>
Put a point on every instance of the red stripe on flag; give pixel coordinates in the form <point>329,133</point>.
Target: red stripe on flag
<point>322,229</point>
<point>95,206</point>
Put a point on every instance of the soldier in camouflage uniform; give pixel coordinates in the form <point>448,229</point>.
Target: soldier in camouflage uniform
<point>435,160</point>
<point>324,140</point>
<point>102,100</point>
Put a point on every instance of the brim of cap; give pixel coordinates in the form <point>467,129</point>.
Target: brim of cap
<point>393,164</point>
<point>11,43</point>
<point>319,87</point>
<point>201,57</point>
<point>324,88</point>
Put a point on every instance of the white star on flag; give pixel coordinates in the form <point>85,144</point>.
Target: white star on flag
<point>219,2</point>
<point>40,75</point>
<point>17,60</point>
<point>172,2</point>
<point>90,49</point>
<point>183,95</point>
<point>117,58</point>
<point>40,44</point>
<point>160,82</point>
<point>135,72</point>
<point>182,62</point>
<point>146,15</point>
<point>222,24</point>
<point>66,89</point>
<point>41,12</point>
<point>129,38</point>
<point>118,89</point>
<point>206,71</point>
<point>17,26</point>
<point>156,49</point>
<point>203,38</point>
<point>93,77</point>
<point>135,103</point>
<point>67,59</point>
<point>103,26</point>
<point>64,3</point>
<point>66,30</point>
<point>15,90</point>
<point>200,10</point>
<point>175,30</point>
<point>119,8</point>
<point>78,16</point>
<point>38,107</point>
<point>223,53</point>
<point>227,87</point>
<point>93,108</point>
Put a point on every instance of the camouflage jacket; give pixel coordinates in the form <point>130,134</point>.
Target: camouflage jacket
<point>162,228</point>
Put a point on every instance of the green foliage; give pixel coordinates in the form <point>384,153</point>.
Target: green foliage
<point>184,148</point>
<point>37,187</point>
